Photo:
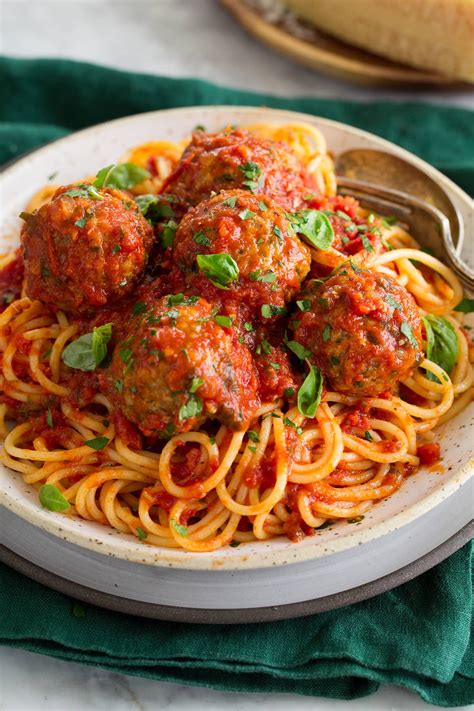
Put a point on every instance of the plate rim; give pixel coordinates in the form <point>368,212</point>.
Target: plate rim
<point>273,613</point>
<point>150,555</point>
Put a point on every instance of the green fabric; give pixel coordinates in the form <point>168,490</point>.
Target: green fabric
<point>41,100</point>
<point>417,635</point>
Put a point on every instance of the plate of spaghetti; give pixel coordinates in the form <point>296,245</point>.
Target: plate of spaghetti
<point>213,361</point>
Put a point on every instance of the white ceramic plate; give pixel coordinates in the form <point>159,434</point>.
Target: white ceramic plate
<point>429,509</point>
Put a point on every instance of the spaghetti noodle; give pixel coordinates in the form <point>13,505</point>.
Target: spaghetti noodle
<point>284,471</point>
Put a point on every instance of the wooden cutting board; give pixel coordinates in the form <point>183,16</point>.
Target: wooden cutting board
<point>316,50</point>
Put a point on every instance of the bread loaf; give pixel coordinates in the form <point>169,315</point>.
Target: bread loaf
<point>428,34</point>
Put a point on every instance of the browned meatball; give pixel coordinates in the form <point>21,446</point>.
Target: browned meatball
<point>363,330</point>
<point>271,261</point>
<point>238,159</point>
<point>179,367</point>
<point>85,248</point>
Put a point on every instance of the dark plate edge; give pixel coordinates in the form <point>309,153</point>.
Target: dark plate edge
<point>238,616</point>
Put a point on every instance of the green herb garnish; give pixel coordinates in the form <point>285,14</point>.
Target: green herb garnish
<point>51,498</point>
<point>442,343</point>
<point>97,443</point>
<point>315,226</point>
<point>309,394</point>
<point>88,351</point>
<point>270,310</point>
<point>220,269</point>
<point>121,175</point>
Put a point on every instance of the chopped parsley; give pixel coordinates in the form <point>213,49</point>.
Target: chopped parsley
<point>181,530</point>
<point>200,238</point>
<point>192,408</point>
<point>270,310</point>
<point>366,244</point>
<point>289,423</point>
<point>303,305</point>
<point>253,176</point>
<point>138,308</point>
<point>392,302</point>
<point>97,443</point>
<point>246,214</point>
<point>225,321</point>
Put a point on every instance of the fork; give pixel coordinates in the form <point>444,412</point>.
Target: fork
<point>426,222</point>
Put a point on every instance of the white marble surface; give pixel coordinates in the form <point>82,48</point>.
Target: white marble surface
<point>31,682</point>
<point>178,38</point>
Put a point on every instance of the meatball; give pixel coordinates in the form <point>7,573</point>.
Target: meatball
<point>272,261</point>
<point>85,248</point>
<point>179,367</point>
<point>363,330</point>
<point>238,159</point>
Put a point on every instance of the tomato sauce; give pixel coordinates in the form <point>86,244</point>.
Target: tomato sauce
<point>11,280</point>
<point>429,453</point>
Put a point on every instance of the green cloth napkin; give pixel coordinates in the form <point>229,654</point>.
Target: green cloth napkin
<point>417,635</point>
<point>41,100</point>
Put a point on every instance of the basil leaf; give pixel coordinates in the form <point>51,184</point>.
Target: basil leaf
<point>300,351</point>
<point>315,226</point>
<point>122,176</point>
<point>220,269</point>
<point>443,346</point>
<point>466,306</point>
<point>97,443</point>
<point>52,499</point>
<point>88,351</point>
<point>309,394</point>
